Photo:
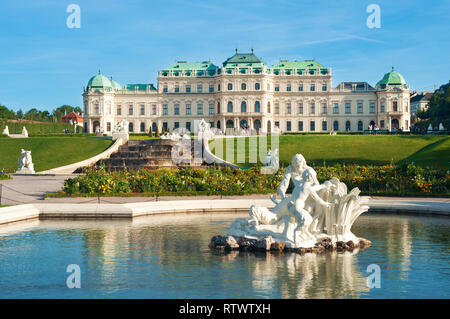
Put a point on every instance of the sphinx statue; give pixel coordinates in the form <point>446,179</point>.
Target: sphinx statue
<point>313,212</point>
<point>25,163</point>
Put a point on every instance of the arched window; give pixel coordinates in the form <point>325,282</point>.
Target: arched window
<point>257,107</point>
<point>360,125</point>
<point>243,86</point>
<point>130,127</point>
<point>347,126</point>
<point>257,86</point>
<point>335,126</point>
<point>257,124</point>
<point>230,86</point>
<point>154,127</point>
<point>243,124</point>
<point>218,107</point>
<point>230,124</point>
<point>230,107</point>
<point>243,107</point>
<point>268,107</point>
<point>143,127</point>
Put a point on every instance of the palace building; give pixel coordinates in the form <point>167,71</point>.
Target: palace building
<point>295,96</point>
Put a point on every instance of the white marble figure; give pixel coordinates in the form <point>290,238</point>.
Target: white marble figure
<point>24,132</point>
<point>171,136</point>
<point>6,130</point>
<point>120,127</point>
<point>271,162</point>
<point>25,163</point>
<point>430,127</point>
<point>313,211</point>
<point>441,127</point>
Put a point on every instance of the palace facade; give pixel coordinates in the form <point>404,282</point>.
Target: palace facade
<point>295,96</point>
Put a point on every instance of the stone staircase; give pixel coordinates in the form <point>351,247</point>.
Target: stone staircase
<point>151,154</point>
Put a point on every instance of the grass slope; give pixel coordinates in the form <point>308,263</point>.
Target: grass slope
<point>359,149</point>
<point>50,152</point>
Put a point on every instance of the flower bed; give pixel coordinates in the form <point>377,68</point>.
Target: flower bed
<point>371,180</point>
<point>4,176</point>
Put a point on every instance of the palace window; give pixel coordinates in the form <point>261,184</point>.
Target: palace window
<point>165,89</point>
<point>176,109</point>
<point>230,107</point>
<point>300,125</point>
<point>300,108</point>
<point>360,125</point>
<point>211,89</point>
<point>313,108</point>
<point>277,108</point>
<point>177,88</point>
<point>268,107</point>
<point>394,106</point>
<point>288,108</point>
<point>230,86</point>
<point>360,107</point>
<point>277,124</point>
<point>336,126</point>
<point>336,108</point>
<point>372,107</point>
<point>199,88</point>
<point>324,108</point>
<point>108,126</point>
<point>300,87</point>
<point>257,86</point>
<point>382,107</point>
<point>130,109</point>
<point>211,109</point>
<point>142,127</point>
<point>96,108</point>
<point>130,127</point>
<point>142,109</point>
<point>288,126</point>
<point>188,126</point>
<point>188,88</point>
<point>324,125</point>
<point>312,126</point>
<point>243,86</point>
<point>218,87</point>
<point>165,109</point>
<point>243,107</point>
<point>176,125</point>
<point>288,88</point>
<point>119,110</point>
<point>324,87</point>
<point>257,107</point>
<point>188,109</point>
<point>154,109</point>
<point>199,109</point>
<point>218,107</point>
<point>165,126</point>
<point>277,88</point>
<point>347,108</point>
<point>348,126</point>
<point>313,87</point>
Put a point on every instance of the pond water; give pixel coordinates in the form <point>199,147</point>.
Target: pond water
<point>168,257</point>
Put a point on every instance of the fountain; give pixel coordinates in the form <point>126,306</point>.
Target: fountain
<point>314,218</point>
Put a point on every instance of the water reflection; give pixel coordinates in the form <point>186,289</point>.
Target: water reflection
<point>168,257</point>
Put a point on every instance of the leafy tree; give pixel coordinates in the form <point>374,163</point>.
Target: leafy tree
<point>6,113</point>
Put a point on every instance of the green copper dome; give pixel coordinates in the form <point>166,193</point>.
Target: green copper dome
<point>393,79</point>
<point>99,81</point>
<point>115,85</point>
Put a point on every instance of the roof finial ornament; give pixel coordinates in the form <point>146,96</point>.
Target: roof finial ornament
<point>252,50</point>
<point>236,50</point>
<point>99,71</point>
<point>392,68</point>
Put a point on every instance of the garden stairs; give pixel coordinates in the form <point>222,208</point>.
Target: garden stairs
<point>151,154</point>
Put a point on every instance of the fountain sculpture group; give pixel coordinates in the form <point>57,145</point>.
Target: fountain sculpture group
<point>315,217</point>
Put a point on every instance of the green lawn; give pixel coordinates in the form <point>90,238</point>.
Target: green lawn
<point>359,149</point>
<point>50,152</point>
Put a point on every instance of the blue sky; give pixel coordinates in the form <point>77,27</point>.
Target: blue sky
<point>44,64</point>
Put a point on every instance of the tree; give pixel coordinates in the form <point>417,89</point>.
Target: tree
<point>6,113</point>
<point>150,133</point>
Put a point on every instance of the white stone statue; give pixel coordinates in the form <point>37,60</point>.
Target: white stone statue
<point>25,163</point>
<point>171,136</point>
<point>313,212</point>
<point>430,127</point>
<point>204,130</point>
<point>441,127</point>
<point>271,162</point>
<point>120,127</point>
<point>6,130</point>
<point>24,132</point>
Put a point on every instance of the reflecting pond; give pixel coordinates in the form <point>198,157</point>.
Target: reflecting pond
<point>168,257</point>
